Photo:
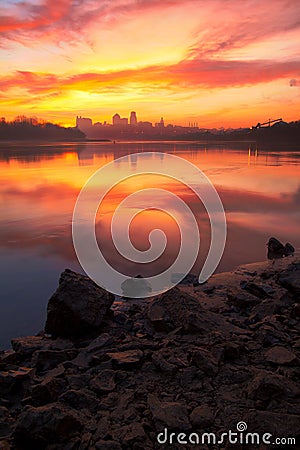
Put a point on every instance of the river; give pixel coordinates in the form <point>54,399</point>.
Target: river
<point>39,185</point>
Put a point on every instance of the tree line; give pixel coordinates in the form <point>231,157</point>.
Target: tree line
<point>31,128</point>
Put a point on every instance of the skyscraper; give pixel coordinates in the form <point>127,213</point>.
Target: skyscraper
<point>133,119</point>
<point>119,121</point>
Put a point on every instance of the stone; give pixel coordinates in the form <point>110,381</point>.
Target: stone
<point>232,351</point>
<point>188,280</point>
<point>204,360</point>
<point>104,381</point>
<point>176,308</point>
<point>78,306</point>
<point>280,355</point>
<point>266,386</point>
<point>243,300</point>
<point>131,434</point>
<point>162,364</point>
<point>48,359</point>
<point>45,425</point>
<point>290,280</point>
<point>8,357</point>
<point>6,422</point>
<point>99,342</point>
<point>50,388</point>
<point>15,380</point>
<point>127,359</point>
<point>288,249</point>
<point>278,424</point>
<point>172,415</point>
<point>275,248</point>
<point>188,370</point>
<point>295,310</point>
<point>80,399</point>
<point>255,289</point>
<point>136,287</point>
<point>202,417</point>
<point>27,345</point>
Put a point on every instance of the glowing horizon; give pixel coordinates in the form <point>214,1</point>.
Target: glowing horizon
<point>217,63</point>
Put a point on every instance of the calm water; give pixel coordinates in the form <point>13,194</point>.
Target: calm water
<point>39,185</point>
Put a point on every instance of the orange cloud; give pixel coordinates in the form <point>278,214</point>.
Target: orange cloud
<point>27,16</point>
<point>77,55</point>
<point>189,73</point>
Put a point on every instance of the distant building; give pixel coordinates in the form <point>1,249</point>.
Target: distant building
<point>83,123</point>
<point>133,119</point>
<point>119,121</point>
<point>160,124</point>
<point>145,126</point>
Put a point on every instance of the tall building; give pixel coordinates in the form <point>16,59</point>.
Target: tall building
<point>160,124</point>
<point>83,123</point>
<point>133,119</point>
<point>117,120</point>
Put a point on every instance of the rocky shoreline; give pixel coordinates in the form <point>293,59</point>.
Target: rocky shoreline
<point>196,359</point>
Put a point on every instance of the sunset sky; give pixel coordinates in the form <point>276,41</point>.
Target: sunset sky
<point>217,62</point>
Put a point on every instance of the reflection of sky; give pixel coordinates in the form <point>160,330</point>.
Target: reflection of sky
<point>39,187</point>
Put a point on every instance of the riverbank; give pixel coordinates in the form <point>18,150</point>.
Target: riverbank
<point>196,359</point>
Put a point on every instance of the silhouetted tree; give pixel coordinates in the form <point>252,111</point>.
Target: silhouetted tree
<point>30,128</point>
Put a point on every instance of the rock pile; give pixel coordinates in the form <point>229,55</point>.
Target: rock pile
<point>196,359</point>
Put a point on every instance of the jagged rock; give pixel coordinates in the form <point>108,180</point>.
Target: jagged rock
<point>290,280</point>
<point>127,359</point>
<point>50,388</point>
<point>189,279</point>
<point>295,311</point>
<point>175,309</point>
<point>275,248</point>
<point>202,417</point>
<point>277,424</point>
<point>288,249</point>
<point>266,386</point>
<point>204,360</point>
<point>100,342</point>
<point>132,434</point>
<point>280,355</point>
<point>13,380</point>
<point>37,428</point>
<point>162,364</point>
<point>77,307</point>
<point>48,359</point>
<point>243,300</point>
<point>6,422</point>
<point>80,399</point>
<point>172,415</point>
<point>255,289</point>
<point>26,346</point>
<point>104,381</point>
<point>232,351</point>
<point>204,371</point>
<point>8,357</point>
<point>136,287</point>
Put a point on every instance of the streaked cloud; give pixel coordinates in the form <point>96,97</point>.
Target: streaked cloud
<point>145,49</point>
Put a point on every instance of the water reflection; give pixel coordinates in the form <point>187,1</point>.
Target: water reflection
<point>39,185</point>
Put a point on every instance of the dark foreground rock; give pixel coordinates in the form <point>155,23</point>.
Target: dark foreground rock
<point>77,307</point>
<point>197,359</point>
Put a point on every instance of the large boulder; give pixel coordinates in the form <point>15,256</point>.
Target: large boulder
<point>177,309</point>
<point>290,280</point>
<point>37,428</point>
<point>78,306</point>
